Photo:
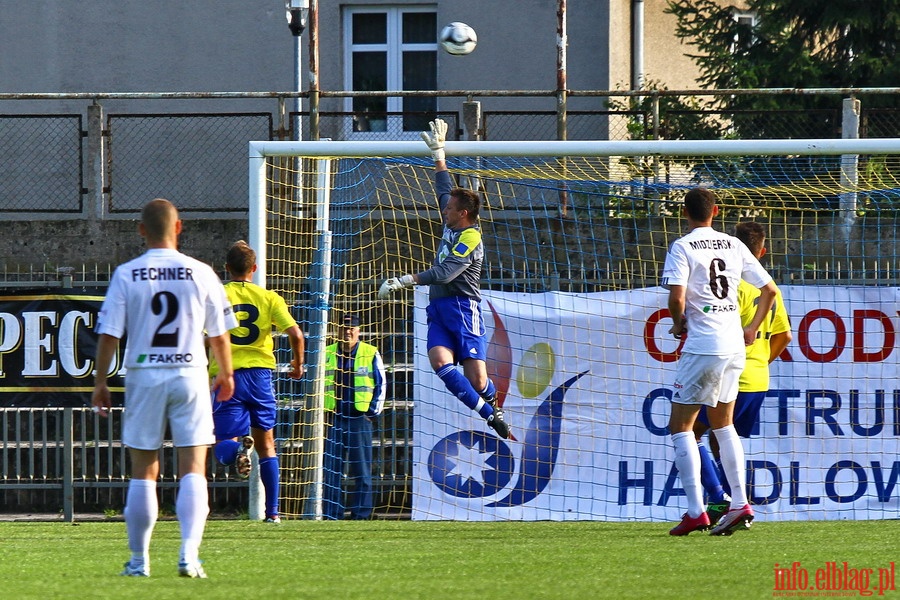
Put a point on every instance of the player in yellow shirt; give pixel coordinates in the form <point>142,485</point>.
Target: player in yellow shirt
<point>253,408</point>
<point>773,337</point>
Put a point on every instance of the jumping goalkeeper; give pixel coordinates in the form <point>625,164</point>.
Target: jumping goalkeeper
<point>456,332</point>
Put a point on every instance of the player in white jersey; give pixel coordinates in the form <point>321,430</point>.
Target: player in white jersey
<point>165,301</point>
<point>702,272</point>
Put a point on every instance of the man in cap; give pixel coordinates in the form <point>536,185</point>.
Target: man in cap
<point>354,396</point>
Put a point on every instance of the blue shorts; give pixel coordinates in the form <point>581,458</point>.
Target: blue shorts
<point>253,405</point>
<point>746,413</point>
<point>456,323</point>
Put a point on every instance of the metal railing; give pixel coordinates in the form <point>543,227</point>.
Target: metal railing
<point>98,163</point>
<point>72,458</point>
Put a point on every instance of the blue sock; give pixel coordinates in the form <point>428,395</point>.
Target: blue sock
<point>460,387</point>
<point>489,391</point>
<point>709,476</point>
<point>226,451</point>
<point>268,473</point>
<point>725,485</point>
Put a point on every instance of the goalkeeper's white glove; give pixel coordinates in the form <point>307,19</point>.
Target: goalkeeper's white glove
<point>393,284</point>
<point>435,138</point>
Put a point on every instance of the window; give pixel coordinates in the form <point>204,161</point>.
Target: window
<point>746,21</point>
<point>390,48</point>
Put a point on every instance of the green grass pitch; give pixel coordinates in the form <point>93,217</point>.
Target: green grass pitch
<point>435,560</point>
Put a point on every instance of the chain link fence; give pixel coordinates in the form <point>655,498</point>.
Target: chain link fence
<point>57,166</point>
<point>41,163</point>
<point>200,159</point>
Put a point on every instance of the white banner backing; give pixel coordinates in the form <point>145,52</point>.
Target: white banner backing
<point>587,383</point>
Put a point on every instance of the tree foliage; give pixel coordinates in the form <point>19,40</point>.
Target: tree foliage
<point>793,44</point>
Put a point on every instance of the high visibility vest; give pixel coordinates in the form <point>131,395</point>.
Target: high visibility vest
<point>363,377</point>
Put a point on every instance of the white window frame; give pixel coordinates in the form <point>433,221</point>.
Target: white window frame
<point>741,16</point>
<point>394,47</point>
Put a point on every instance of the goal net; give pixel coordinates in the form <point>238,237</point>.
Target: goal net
<point>575,235</point>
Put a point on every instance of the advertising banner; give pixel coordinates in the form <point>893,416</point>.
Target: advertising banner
<point>47,348</point>
<point>587,385</point>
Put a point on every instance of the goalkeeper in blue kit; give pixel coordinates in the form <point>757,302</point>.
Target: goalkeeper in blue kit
<point>456,331</point>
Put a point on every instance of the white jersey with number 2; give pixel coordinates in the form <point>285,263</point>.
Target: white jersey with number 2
<point>710,265</point>
<point>165,300</point>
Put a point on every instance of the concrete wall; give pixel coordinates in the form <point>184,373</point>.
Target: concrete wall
<point>46,245</point>
<point>131,46</point>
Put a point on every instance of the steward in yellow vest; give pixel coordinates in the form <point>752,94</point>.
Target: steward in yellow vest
<point>354,396</point>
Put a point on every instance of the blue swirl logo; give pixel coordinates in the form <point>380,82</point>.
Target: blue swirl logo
<point>472,464</point>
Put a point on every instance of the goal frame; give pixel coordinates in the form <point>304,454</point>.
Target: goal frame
<point>259,151</point>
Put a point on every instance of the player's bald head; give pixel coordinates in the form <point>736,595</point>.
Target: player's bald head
<point>159,218</point>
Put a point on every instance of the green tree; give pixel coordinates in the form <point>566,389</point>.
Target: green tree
<point>793,44</point>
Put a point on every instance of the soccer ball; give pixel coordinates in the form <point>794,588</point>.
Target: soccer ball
<point>458,38</point>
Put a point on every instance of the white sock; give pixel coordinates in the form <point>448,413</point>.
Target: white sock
<point>731,453</point>
<point>141,512</point>
<point>687,461</point>
<point>192,508</point>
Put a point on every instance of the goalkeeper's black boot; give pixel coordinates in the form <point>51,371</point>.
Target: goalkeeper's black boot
<point>496,422</point>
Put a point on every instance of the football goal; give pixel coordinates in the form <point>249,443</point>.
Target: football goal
<point>576,234</point>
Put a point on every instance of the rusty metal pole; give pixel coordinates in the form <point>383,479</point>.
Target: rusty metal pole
<point>561,43</point>
<point>314,70</point>
<point>561,93</point>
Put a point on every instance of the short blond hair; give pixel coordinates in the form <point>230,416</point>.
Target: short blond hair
<point>159,217</point>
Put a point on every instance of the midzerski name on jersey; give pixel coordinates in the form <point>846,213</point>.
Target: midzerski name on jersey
<point>711,244</point>
<point>162,274</point>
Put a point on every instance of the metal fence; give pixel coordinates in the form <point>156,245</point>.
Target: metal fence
<point>67,459</point>
<point>105,164</point>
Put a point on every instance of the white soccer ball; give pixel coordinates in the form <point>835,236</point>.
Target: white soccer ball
<point>458,38</point>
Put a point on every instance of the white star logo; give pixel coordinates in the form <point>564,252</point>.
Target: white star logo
<point>471,463</point>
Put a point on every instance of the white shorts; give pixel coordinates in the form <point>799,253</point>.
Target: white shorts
<point>177,397</point>
<point>707,379</point>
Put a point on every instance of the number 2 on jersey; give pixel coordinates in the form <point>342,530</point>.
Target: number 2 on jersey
<point>165,302</point>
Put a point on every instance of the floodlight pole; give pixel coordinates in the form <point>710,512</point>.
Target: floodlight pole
<point>297,15</point>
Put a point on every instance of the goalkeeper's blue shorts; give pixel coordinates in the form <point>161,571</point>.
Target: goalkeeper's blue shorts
<point>746,413</point>
<point>456,322</point>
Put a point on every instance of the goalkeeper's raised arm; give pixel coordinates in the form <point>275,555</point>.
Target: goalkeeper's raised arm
<point>456,332</point>
<point>435,139</point>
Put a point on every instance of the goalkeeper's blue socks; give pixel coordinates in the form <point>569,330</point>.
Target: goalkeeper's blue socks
<point>709,476</point>
<point>268,473</point>
<point>226,451</point>
<point>460,387</point>
<point>489,391</point>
